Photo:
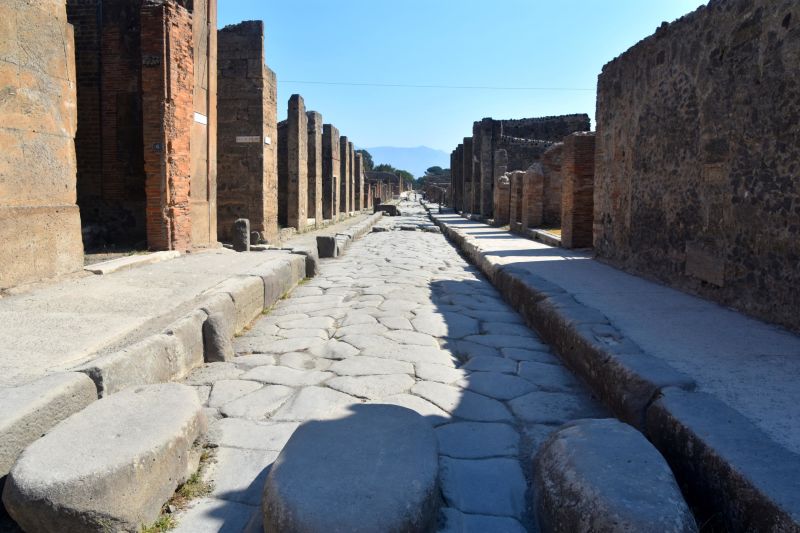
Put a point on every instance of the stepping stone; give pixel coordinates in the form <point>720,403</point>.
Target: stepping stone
<point>486,486</point>
<point>605,473</point>
<point>463,404</point>
<point>374,469</point>
<point>477,440</point>
<point>372,387</point>
<point>88,474</point>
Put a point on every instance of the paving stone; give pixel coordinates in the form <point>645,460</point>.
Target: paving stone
<point>491,364</point>
<point>240,433</point>
<point>313,403</point>
<point>520,354</point>
<point>280,346</point>
<point>401,487</point>
<point>281,375</point>
<point>361,329</point>
<point>249,344</point>
<point>439,373</point>
<point>507,341</point>
<point>494,316</point>
<point>463,404</point>
<point>375,342</point>
<point>372,387</point>
<point>258,404</point>
<point>396,323</point>
<point>496,385</point>
<point>238,474</point>
<point>549,377</point>
<point>477,440</point>
<point>435,415</point>
<point>505,329</point>
<point>262,328</point>
<point>467,350</point>
<point>535,435</point>
<point>246,362</point>
<point>454,521</point>
<point>304,334</point>
<point>334,350</point>
<point>398,305</point>
<point>227,390</point>
<point>452,325</point>
<point>210,373</point>
<point>365,366</point>
<point>484,486</point>
<point>412,337</point>
<point>307,323</point>
<point>604,475</point>
<point>211,515</point>
<point>541,407</point>
<point>303,361</point>
<point>47,488</point>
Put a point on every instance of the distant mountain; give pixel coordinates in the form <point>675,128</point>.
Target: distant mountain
<point>415,160</point>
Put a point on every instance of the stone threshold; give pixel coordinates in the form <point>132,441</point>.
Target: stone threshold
<point>725,464</point>
<point>132,261</point>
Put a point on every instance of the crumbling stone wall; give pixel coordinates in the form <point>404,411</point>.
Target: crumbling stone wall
<point>293,166</point>
<point>545,128</point>
<point>39,219</point>
<point>331,169</point>
<point>344,185</point>
<point>315,167</point>
<point>577,194</point>
<point>247,106</point>
<point>698,151</point>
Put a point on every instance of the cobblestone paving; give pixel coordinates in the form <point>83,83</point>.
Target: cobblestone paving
<point>401,319</point>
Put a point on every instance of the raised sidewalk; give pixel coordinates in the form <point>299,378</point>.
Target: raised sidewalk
<point>714,390</point>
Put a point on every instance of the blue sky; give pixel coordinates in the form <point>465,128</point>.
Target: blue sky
<point>496,43</point>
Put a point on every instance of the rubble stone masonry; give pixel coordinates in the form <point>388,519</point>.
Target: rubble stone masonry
<point>315,167</point>
<point>577,194</point>
<point>39,219</point>
<point>344,181</point>
<point>247,105</point>
<point>293,166</point>
<point>331,169</point>
<point>699,153</point>
<point>551,187</point>
<point>359,186</point>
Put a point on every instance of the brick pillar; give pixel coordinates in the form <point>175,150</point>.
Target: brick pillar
<point>467,168</point>
<point>344,182</point>
<point>351,157</point>
<point>502,196</point>
<point>533,197</point>
<point>293,166</point>
<point>168,116</point>
<point>486,163</point>
<point>247,168</point>
<point>315,167</point>
<point>331,168</point>
<point>359,184</point>
<point>577,196</point>
<point>551,163</point>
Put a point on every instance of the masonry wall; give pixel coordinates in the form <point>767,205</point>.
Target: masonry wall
<point>359,183</point>
<point>39,219</point>
<point>703,193</point>
<point>315,167</point>
<point>577,198</point>
<point>468,170</point>
<point>331,169</point>
<point>247,166</point>
<point>344,182</point>
<point>545,128</point>
<point>501,190</point>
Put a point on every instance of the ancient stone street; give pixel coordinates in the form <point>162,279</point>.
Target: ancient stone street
<point>401,319</point>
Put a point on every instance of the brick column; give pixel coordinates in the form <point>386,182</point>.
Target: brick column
<point>344,175</point>
<point>315,167</point>
<point>577,197</point>
<point>551,163</point>
<point>167,108</point>
<point>467,169</point>
<point>484,151</point>
<point>293,166</point>
<point>359,184</point>
<point>500,196</point>
<point>331,169</point>
<point>532,197</point>
<point>351,157</point>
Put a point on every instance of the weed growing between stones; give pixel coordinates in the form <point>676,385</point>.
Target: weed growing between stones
<point>164,523</point>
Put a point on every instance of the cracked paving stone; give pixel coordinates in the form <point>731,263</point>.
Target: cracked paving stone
<point>477,440</point>
<point>439,373</point>
<point>211,372</point>
<point>285,345</point>
<point>352,319</point>
<point>363,342</point>
<point>496,385</point>
<point>333,349</point>
<point>434,414</point>
<point>446,325</point>
<point>396,323</point>
<point>316,403</point>
<point>258,404</point>
<point>304,334</point>
<point>365,366</point>
<point>491,364</point>
<point>412,337</point>
<point>302,361</point>
<point>361,329</point>
<point>461,403</point>
<point>484,486</point>
<point>239,433</point>
<point>281,375</point>
<point>372,387</point>
<point>541,407</point>
<point>412,354</point>
<point>227,390</point>
<point>468,350</point>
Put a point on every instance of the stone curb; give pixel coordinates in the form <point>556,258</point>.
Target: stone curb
<point>632,384</point>
<point>125,263</point>
<point>329,246</point>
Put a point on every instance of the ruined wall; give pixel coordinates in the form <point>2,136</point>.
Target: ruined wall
<point>168,111</point>
<point>545,128</point>
<point>315,167</point>
<point>293,166</point>
<point>39,219</point>
<point>247,165</point>
<point>698,151</point>
<point>522,153</point>
<point>577,192</point>
<point>344,181</point>
<point>551,187</point>
<point>330,172</point>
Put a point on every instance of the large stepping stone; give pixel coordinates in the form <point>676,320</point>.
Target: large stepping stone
<point>110,467</point>
<point>375,468</point>
<point>604,476</point>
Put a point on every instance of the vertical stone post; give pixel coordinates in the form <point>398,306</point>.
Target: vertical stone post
<point>533,197</point>
<point>485,154</point>
<point>500,198</point>
<point>344,185</point>
<point>315,128</point>
<point>293,166</point>
<point>359,184</point>
<point>551,164</point>
<point>247,133</point>
<point>331,171</point>
<point>577,197</point>
<point>351,157</point>
<point>467,170</point>
<point>167,105</point>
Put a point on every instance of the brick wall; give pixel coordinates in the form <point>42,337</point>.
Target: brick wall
<point>359,185</point>
<point>698,153</point>
<point>467,171</point>
<point>331,169</point>
<point>344,181</point>
<point>551,170</point>
<point>577,193</point>
<point>532,197</point>
<point>39,220</point>
<point>315,166</point>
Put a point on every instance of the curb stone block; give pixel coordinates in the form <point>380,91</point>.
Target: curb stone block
<point>725,462</point>
<point>281,278</point>
<point>217,344</point>
<point>110,467</point>
<point>604,476</point>
<point>29,411</point>
<point>312,259</point>
<point>247,293</point>
<point>222,304</point>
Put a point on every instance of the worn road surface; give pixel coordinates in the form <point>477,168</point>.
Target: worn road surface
<point>400,319</point>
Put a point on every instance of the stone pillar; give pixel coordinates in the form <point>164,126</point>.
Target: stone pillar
<point>351,154</point>
<point>577,195</point>
<point>500,199</point>
<point>533,197</point>
<point>359,184</point>
<point>344,185</point>
<point>484,151</point>
<point>551,167</point>
<point>247,175</point>
<point>331,171</point>
<point>293,166</point>
<point>40,225</point>
<point>467,170</point>
<point>168,111</point>
<point>315,167</point>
